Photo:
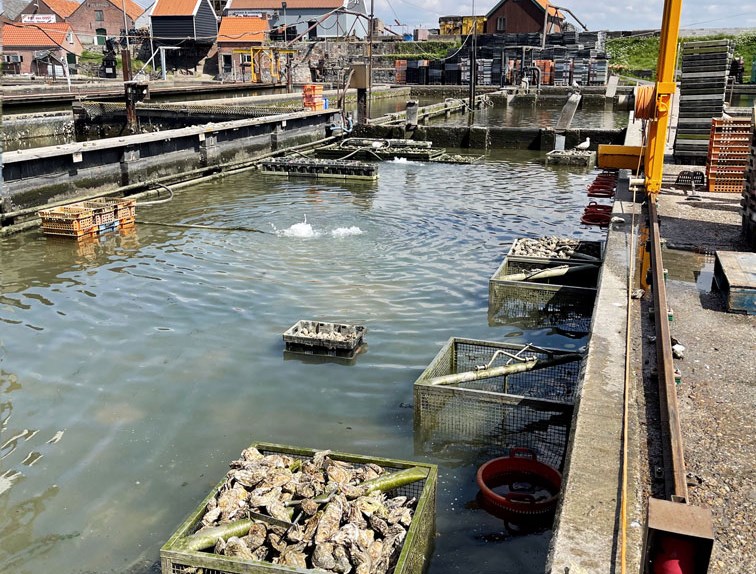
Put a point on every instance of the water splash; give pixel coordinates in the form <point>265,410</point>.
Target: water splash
<point>302,229</point>
<point>346,231</point>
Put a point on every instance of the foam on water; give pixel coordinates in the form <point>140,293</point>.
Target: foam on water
<point>346,231</point>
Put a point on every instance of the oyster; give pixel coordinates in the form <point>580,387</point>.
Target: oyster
<point>232,502</point>
<point>237,548</point>
<point>294,556</point>
<point>322,556</point>
<point>330,520</point>
<point>256,536</point>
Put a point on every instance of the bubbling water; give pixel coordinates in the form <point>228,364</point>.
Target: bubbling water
<point>305,230</point>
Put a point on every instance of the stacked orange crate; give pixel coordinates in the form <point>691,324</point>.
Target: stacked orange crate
<point>547,71</point>
<point>748,203</point>
<point>312,97</point>
<point>729,150</point>
<point>400,71</point>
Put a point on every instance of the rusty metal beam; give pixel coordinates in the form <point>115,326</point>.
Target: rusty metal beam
<point>676,486</point>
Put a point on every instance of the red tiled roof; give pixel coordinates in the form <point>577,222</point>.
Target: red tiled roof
<point>546,4</point>
<point>63,8</point>
<point>242,30</point>
<point>35,36</point>
<point>175,7</point>
<point>290,4</point>
<point>133,10</point>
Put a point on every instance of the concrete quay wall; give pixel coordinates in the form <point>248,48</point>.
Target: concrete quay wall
<point>37,177</point>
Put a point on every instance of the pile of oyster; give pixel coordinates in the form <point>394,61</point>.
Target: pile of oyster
<point>327,332</point>
<point>309,513</point>
<point>550,247</point>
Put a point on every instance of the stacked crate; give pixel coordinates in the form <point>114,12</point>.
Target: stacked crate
<point>729,152</point>
<point>312,97</point>
<point>400,71</point>
<point>702,91</point>
<point>88,218</point>
<point>599,72</point>
<point>562,71</point>
<point>748,203</point>
<point>547,71</point>
<point>484,69</point>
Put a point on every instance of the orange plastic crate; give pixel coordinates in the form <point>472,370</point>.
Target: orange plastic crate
<point>68,221</point>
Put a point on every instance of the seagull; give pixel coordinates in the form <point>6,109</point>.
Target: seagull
<point>584,145</point>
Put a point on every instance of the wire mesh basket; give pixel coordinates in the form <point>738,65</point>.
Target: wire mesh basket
<point>564,302</point>
<point>414,552</point>
<point>532,409</point>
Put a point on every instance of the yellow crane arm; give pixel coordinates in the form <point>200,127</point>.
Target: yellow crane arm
<point>663,92</point>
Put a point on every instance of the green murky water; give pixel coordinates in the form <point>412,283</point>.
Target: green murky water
<point>135,367</point>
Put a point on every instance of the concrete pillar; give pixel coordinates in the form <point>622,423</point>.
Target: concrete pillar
<point>276,138</point>
<point>130,156</point>
<point>209,153</point>
<point>479,138</point>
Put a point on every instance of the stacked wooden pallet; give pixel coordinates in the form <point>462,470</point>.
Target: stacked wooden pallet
<point>729,151</point>
<point>702,92</point>
<point>748,203</point>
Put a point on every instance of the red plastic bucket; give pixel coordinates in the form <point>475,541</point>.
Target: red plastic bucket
<point>521,467</point>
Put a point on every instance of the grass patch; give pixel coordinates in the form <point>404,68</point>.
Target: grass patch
<point>631,55</point>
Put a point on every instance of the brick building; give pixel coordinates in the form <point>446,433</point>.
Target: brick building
<point>95,20</point>
<point>236,35</point>
<point>46,11</point>
<point>44,49</point>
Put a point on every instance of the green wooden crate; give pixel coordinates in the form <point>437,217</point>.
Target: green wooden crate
<point>415,552</point>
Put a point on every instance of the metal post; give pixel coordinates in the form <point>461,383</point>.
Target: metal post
<point>162,63</point>
<point>125,25</point>
<point>289,79</point>
<point>362,106</point>
<point>473,60</point>
<point>370,63</point>
<point>283,5</point>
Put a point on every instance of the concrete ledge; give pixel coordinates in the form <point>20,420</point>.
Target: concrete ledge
<point>36,177</point>
<point>585,538</point>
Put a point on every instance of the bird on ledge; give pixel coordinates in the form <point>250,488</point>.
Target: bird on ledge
<point>584,145</point>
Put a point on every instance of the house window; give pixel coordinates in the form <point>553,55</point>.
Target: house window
<point>501,24</point>
<point>101,33</point>
<point>245,58</point>
<point>99,16</point>
<point>69,37</point>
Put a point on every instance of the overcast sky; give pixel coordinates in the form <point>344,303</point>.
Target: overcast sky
<point>596,15</point>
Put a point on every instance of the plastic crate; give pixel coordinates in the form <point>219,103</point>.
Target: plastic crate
<point>532,409</point>
<point>414,552</point>
<point>103,212</point>
<point>67,221</point>
<point>316,337</point>
<point>122,208</point>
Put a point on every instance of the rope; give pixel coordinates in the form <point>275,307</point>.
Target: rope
<point>645,102</point>
<point>211,227</point>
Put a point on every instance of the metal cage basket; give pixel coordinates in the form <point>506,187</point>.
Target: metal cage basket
<point>532,409</point>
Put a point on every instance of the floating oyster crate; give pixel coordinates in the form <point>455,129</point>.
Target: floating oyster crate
<point>564,302</point>
<point>414,553</point>
<point>331,168</point>
<point>317,338</point>
<point>67,221</point>
<point>532,409</point>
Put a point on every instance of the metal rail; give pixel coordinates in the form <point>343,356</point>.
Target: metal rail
<point>674,472</point>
